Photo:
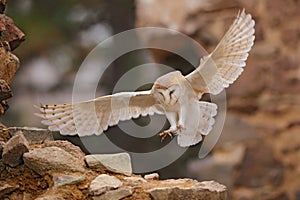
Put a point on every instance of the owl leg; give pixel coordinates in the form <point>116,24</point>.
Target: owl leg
<point>172,118</point>
<point>182,117</point>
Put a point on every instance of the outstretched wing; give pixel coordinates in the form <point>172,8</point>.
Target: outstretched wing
<point>94,117</point>
<point>224,65</point>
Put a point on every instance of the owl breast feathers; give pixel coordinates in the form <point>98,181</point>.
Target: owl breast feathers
<point>173,95</point>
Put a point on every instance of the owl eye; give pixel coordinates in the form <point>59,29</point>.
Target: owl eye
<point>172,91</point>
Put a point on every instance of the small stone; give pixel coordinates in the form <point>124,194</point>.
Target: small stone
<point>134,180</point>
<point>153,176</point>
<point>6,189</point>
<point>67,146</point>
<point>103,183</point>
<point>115,194</point>
<point>14,149</point>
<point>64,179</point>
<point>51,159</point>
<point>33,135</point>
<point>117,163</point>
<point>208,190</point>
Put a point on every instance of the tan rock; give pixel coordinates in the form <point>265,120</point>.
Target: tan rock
<point>117,163</point>
<point>14,149</point>
<point>52,159</point>
<point>103,183</point>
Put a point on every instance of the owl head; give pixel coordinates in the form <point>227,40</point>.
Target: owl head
<point>167,89</point>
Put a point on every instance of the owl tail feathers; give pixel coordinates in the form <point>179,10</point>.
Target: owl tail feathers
<point>186,140</point>
<point>191,137</point>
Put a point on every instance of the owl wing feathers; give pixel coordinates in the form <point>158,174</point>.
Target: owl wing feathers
<point>224,65</point>
<point>94,117</point>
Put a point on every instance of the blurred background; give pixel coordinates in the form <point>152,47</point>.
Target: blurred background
<point>258,154</point>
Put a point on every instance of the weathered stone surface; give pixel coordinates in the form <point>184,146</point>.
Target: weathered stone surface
<point>5,91</point>
<point>6,189</point>
<point>103,183</point>
<point>208,190</point>
<point>117,163</point>
<point>51,159</point>
<point>115,194</point>
<point>19,196</point>
<point>14,149</point>
<point>67,146</point>
<point>33,135</point>
<point>9,64</point>
<point>51,197</point>
<point>10,32</point>
<point>64,179</point>
<point>153,176</point>
<point>134,180</point>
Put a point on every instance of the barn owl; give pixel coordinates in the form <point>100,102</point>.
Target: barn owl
<point>174,95</point>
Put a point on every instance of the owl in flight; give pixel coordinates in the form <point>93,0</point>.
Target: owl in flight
<point>173,95</point>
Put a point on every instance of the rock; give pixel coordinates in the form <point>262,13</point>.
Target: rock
<point>103,183</point>
<point>51,197</point>
<point>33,135</point>
<point>26,196</point>
<point>115,194</point>
<point>134,180</point>
<point>153,176</point>
<point>1,148</point>
<point>10,33</point>
<point>9,64</point>
<point>67,146</point>
<point>51,159</point>
<point>5,91</point>
<point>14,149</point>
<point>208,190</point>
<point>117,163</point>
<point>6,189</point>
<point>64,179</point>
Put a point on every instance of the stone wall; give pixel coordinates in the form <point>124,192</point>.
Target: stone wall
<point>34,166</point>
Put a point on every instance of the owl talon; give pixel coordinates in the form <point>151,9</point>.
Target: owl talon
<point>180,127</point>
<point>164,134</point>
